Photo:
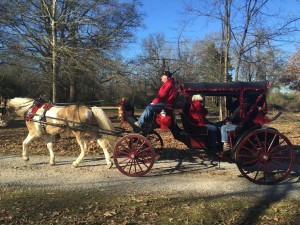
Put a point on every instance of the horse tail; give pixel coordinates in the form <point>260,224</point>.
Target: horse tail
<point>104,123</point>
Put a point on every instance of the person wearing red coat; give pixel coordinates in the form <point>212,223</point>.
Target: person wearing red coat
<point>166,97</point>
<point>197,115</point>
<point>167,92</point>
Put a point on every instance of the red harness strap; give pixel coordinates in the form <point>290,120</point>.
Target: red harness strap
<point>31,113</point>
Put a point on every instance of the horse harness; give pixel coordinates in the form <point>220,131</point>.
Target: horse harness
<point>37,104</point>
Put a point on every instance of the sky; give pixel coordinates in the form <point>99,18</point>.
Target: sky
<point>165,16</point>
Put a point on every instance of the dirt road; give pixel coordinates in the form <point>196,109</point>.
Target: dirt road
<point>175,177</point>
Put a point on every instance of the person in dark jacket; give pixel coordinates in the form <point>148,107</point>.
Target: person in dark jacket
<point>234,121</point>
<point>166,97</point>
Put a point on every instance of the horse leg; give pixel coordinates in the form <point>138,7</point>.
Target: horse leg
<point>103,145</point>
<point>48,141</point>
<point>83,147</point>
<point>30,137</point>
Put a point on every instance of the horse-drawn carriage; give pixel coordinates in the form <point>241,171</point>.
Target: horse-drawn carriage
<point>262,154</point>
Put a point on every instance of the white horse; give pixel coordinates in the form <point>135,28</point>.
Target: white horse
<point>46,120</point>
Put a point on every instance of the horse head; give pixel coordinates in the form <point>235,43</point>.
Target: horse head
<point>11,108</point>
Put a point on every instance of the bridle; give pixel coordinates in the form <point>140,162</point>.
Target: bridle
<point>3,107</point>
<point>6,113</point>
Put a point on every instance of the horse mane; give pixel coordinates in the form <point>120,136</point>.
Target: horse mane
<point>20,105</point>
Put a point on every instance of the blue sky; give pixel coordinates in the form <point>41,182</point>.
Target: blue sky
<point>165,16</point>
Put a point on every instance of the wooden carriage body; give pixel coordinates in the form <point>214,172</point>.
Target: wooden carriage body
<point>262,154</point>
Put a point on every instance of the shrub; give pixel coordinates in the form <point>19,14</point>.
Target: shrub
<point>284,101</point>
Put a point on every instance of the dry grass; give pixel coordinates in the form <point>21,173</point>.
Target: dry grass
<point>95,207</point>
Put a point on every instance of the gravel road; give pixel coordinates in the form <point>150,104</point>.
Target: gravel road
<point>173,176</point>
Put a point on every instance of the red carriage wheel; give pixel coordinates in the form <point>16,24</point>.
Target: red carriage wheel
<point>265,156</point>
<point>157,143</point>
<point>134,155</point>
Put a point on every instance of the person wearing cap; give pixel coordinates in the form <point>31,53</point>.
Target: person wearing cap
<point>166,97</point>
<point>197,112</point>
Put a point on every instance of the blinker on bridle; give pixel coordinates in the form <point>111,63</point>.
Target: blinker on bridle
<point>3,107</point>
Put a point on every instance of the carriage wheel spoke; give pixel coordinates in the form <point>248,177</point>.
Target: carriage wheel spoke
<point>256,161</point>
<point>254,146</point>
<point>124,152</point>
<point>273,153</point>
<point>257,141</point>
<point>125,160</point>
<point>273,149</point>
<point>257,172</point>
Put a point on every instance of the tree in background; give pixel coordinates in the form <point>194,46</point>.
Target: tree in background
<point>149,67</point>
<point>292,70</point>
<point>216,10</point>
<point>187,57</point>
<point>245,25</point>
<point>263,64</point>
<point>68,41</point>
<point>211,64</point>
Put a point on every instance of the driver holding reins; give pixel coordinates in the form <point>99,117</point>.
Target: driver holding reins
<point>166,98</point>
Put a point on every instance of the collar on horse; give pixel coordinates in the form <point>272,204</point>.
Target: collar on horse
<point>37,104</point>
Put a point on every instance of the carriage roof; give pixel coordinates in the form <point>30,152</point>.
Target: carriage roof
<point>224,88</point>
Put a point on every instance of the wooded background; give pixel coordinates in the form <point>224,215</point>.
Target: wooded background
<point>72,51</point>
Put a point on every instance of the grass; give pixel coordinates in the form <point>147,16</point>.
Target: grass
<point>25,206</point>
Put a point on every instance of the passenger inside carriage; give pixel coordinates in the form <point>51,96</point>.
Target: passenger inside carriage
<point>231,104</point>
<point>197,112</point>
<point>234,120</point>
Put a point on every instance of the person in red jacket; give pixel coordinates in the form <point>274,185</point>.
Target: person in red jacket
<point>197,111</point>
<point>166,97</point>
<point>197,115</point>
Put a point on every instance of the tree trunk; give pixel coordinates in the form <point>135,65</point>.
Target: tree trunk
<point>72,89</point>
<point>73,70</point>
<point>54,51</point>
<point>227,38</point>
<point>249,15</point>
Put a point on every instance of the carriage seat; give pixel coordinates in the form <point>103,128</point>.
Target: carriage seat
<point>240,131</point>
<point>190,128</point>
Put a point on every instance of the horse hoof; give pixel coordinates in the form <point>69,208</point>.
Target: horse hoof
<point>110,165</point>
<point>74,165</point>
<point>25,158</point>
<point>51,163</point>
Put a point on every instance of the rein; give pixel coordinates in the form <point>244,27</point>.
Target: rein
<point>78,103</point>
